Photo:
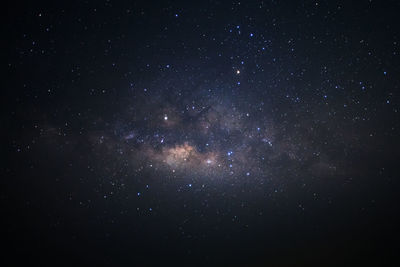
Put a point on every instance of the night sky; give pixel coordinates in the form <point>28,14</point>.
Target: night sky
<point>201,133</point>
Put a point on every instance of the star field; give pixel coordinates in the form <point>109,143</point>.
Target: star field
<point>205,133</point>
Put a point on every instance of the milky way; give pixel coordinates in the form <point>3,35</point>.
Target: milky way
<point>209,133</point>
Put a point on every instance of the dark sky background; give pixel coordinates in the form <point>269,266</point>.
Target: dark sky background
<point>200,133</point>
